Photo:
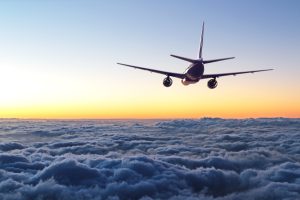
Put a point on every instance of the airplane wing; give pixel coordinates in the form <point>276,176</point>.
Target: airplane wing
<point>232,73</point>
<point>176,75</point>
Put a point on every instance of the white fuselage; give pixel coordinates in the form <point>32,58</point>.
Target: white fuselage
<point>193,73</point>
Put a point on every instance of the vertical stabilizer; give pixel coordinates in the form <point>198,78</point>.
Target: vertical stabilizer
<point>201,42</point>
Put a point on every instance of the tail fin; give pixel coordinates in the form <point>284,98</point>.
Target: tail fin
<point>200,50</point>
<point>201,42</point>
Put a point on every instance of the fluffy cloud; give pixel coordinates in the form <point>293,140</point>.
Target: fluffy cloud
<point>209,158</point>
<point>10,146</point>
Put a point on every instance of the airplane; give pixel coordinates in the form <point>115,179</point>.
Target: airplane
<point>195,72</point>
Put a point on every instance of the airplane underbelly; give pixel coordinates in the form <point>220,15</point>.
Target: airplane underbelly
<point>194,73</point>
<point>186,81</point>
<point>192,77</point>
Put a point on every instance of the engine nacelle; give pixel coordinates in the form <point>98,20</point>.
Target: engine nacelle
<point>212,83</point>
<point>167,81</point>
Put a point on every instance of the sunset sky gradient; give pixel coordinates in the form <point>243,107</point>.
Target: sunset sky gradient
<point>58,58</point>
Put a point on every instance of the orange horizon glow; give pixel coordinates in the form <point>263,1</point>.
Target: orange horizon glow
<point>222,104</point>
<point>140,112</point>
<point>160,103</point>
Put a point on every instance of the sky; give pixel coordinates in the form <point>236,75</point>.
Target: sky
<point>58,58</point>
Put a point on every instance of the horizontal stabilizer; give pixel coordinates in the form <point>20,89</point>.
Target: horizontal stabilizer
<point>216,60</point>
<point>185,59</point>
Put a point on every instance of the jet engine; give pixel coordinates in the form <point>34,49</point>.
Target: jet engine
<point>167,81</point>
<point>212,83</point>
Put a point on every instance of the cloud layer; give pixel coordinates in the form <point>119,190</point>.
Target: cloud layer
<point>180,159</point>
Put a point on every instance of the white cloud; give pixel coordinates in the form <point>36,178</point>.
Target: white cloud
<point>179,159</point>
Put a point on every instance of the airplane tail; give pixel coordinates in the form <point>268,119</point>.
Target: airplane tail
<point>200,58</point>
<point>201,42</point>
<point>200,51</point>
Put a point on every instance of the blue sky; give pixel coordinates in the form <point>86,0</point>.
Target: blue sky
<point>53,52</point>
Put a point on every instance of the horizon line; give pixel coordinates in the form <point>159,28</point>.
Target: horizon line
<point>174,118</point>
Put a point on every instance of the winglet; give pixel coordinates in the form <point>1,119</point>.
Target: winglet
<point>201,41</point>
